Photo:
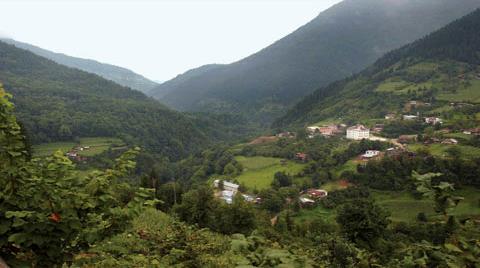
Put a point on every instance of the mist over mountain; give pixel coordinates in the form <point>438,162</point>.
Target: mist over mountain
<point>440,69</point>
<point>339,42</point>
<point>57,103</point>
<point>119,75</point>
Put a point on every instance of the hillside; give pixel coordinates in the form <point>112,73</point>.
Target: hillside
<point>57,103</point>
<point>339,42</point>
<point>119,75</point>
<point>439,73</point>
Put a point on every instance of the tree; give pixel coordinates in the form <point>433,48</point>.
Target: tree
<point>281,179</point>
<point>362,221</point>
<point>442,194</point>
<point>238,217</point>
<point>271,200</point>
<point>197,207</point>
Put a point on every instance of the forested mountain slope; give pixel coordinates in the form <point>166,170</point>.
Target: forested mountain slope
<point>438,71</point>
<point>339,42</point>
<point>57,103</point>
<point>119,75</point>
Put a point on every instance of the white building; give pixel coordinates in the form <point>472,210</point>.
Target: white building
<point>410,117</point>
<point>433,120</point>
<point>228,186</point>
<point>371,153</point>
<point>358,132</point>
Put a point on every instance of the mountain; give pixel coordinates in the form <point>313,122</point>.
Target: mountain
<point>117,74</point>
<point>56,103</point>
<point>438,75</point>
<point>339,42</point>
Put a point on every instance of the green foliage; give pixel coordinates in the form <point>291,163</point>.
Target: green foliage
<point>56,103</point>
<point>362,221</point>
<point>441,193</point>
<point>401,76</point>
<point>48,213</point>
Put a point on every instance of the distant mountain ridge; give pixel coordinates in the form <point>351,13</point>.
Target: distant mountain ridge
<point>339,42</point>
<point>119,75</point>
<point>58,103</point>
<point>439,69</point>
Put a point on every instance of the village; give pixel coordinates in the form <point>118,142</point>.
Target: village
<point>226,189</point>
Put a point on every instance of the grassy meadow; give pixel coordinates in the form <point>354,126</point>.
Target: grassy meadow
<point>97,145</point>
<point>259,171</point>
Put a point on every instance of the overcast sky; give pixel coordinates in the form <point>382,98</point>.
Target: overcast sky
<point>158,39</point>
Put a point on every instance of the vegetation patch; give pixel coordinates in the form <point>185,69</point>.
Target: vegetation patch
<point>259,171</point>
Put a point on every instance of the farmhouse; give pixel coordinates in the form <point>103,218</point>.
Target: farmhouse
<point>286,134</point>
<point>450,141</point>
<point>227,196</point>
<point>403,139</point>
<point>316,193</point>
<point>301,156</point>
<point>390,116</point>
<point>371,154</point>
<point>306,201</point>
<point>378,128</point>
<point>324,130</point>
<point>433,120</point>
<point>409,117</point>
<point>227,186</point>
<point>358,132</point>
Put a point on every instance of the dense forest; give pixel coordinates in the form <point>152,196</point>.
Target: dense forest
<point>58,103</point>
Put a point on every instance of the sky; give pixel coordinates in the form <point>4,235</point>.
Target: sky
<point>158,39</point>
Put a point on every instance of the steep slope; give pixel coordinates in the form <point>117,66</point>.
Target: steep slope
<point>434,72</point>
<point>57,103</point>
<point>117,74</point>
<point>340,41</point>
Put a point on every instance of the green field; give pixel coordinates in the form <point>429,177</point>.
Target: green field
<point>404,207</point>
<point>467,152</point>
<point>469,94</point>
<point>308,214</point>
<point>97,146</point>
<point>351,165</point>
<point>259,171</point>
<point>46,149</point>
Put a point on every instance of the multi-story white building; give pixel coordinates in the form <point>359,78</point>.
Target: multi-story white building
<point>358,132</point>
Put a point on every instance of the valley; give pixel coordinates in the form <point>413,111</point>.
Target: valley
<point>352,142</point>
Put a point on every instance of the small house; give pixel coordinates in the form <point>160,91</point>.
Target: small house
<point>450,141</point>
<point>404,139</point>
<point>433,120</point>
<point>390,116</point>
<point>286,134</point>
<point>306,201</point>
<point>227,186</point>
<point>301,157</point>
<point>317,193</point>
<point>410,117</point>
<point>358,132</point>
<point>371,154</point>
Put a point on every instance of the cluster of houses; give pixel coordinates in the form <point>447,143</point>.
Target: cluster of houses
<point>310,196</point>
<point>229,190</point>
<point>74,153</point>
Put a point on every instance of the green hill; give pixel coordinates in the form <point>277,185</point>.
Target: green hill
<point>58,103</point>
<point>339,42</point>
<point>114,73</point>
<point>440,72</point>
